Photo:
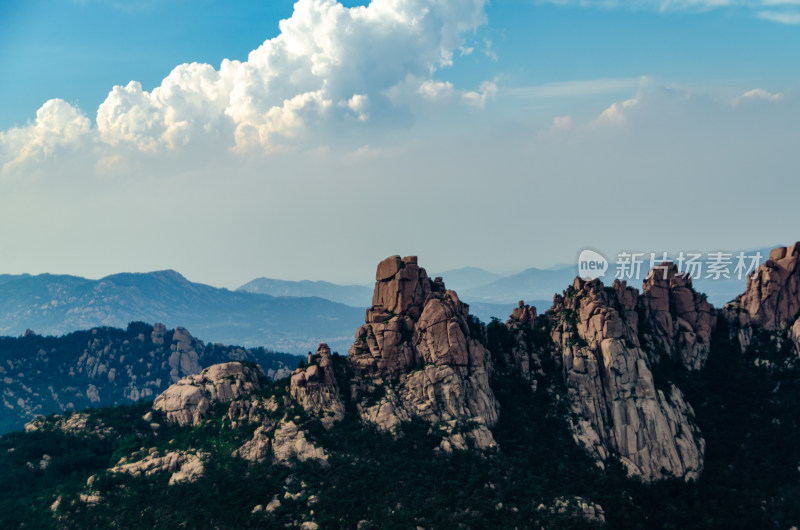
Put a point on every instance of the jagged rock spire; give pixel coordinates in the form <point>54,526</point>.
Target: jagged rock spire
<point>417,333</point>
<point>676,320</point>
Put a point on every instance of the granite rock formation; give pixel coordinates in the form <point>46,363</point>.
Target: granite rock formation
<point>183,466</point>
<point>772,297</point>
<point>314,387</point>
<point>188,401</point>
<point>618,409</point>
<point>416,356</point>
<point>676,320</point>
<point>771,302</point>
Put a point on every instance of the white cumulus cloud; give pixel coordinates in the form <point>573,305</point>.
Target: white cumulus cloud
<point>58,125</point>
<point>329,64</point>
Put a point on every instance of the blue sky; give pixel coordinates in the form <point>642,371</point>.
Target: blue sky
<point>504,134</point>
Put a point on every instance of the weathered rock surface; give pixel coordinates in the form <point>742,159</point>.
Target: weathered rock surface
<point>104,366</point>
<point>772,297</point>
<point>76,423</point>
<point>257,449</point>
<point>618,409</point>
<point>290,442</point>
<point>188,401</point>
<point>183,361</point>
<point>314,387</point>
<point>184,466</point>
<point>416,353</point>
<point>771,301</point>
<point>676,320</point>
<point>525,357</point>
<point>576,508</point>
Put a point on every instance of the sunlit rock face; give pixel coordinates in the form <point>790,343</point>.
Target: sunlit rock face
<point>618,411</point>
<point>417,353</point>
<point>188,401</point>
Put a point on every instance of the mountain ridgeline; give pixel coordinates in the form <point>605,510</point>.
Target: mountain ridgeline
<point>616,407</point>
<point>54,305</point>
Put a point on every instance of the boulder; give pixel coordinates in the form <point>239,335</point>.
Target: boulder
<point>188,401</point>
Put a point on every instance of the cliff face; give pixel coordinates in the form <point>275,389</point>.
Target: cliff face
<point>416,356</point>
<point>772,297</point>
<point>618,409</point>
<point>677,321</point>
<point>771,302</point>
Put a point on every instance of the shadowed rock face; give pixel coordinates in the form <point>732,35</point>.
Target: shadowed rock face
<point>618,410</point>
<point>772,298</point>
<point>417,333</point>
<point>677,321</point>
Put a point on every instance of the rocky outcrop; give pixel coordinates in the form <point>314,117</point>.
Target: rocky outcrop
<point>416,356</point>
<point>772,297</point>
<point>257,449</point>
<point>575,508</point>
<point>618,409</point>
<point>676,320</point>
<point>290,442</point>
<point>183,360</point>
<point>184,466</point>
<point>314,387</point>
<point>770,303</point>
<point>75,423</point>
<point>188,401</point>
<point>525,356</point>
<point>104,366</point>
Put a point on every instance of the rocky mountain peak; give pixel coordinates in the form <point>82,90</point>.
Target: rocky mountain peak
<point>678,321</point>
<point>617,408</point>
<point>418,334</point>
<point>523,314</point>
<point>401,288</point>
<point>772,297</point>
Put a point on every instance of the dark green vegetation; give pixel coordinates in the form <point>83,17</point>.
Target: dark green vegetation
<point>54,305</point>
<point>100,367</point>
<point>749,415</point>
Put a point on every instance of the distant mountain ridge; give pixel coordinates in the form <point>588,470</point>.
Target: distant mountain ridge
<point>352,295</point>
<point>58,304</point>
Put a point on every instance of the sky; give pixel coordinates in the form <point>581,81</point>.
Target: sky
<point>232,140</point>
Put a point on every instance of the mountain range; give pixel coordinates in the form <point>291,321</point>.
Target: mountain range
<point>618,406</point>
<point>289,316</point>
<point>54,305</point>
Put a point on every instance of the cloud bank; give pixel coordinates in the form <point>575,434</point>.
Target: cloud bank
<point>329,65</point>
